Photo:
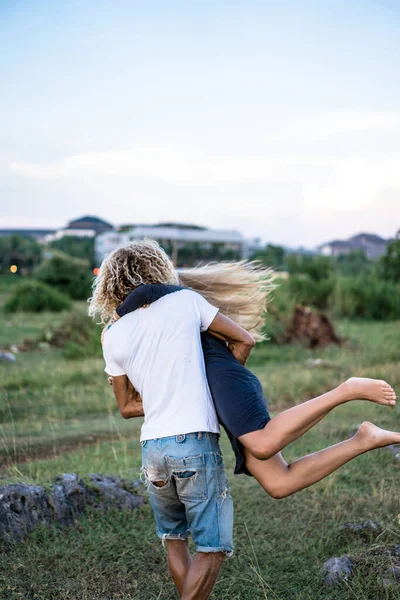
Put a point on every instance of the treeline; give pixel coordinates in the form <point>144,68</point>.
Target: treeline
<point>349,285</point>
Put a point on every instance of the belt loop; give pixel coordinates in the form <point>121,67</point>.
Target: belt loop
<point>200,435</point>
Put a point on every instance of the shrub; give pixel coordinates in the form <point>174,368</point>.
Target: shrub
<point>24,252</point>
<point>390,262</point>
<point>78,336</point>
<point>366,297</point>
<point>71,276</point>
<point>35,296</point>
<point>311,292</point>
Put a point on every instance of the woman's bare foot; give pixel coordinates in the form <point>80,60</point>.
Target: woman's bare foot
<point>371,436</point>
<point>375,390</point>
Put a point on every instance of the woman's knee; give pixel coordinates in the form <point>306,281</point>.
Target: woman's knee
<point>262,450</point>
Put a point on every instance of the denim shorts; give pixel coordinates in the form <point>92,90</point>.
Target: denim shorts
<point>194,495</point>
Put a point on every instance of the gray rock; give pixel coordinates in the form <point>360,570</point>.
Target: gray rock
<point>366,530</point>
<point>395,450</point>
<point>24,506</point>
<point>336,570</point>
<point>392,577</point>
<point>7,356</point>
<point>111,490</point>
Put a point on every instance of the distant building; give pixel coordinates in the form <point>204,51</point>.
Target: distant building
<point>372,245</point>
<point>82,227</point>
<point>172,235</point>
<point>39,235</point>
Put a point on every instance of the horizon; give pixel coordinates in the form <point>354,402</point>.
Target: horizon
<point>282,124</point>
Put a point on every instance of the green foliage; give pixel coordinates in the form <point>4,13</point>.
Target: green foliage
<point>353,263</point>
<point>366,297</point>
<point>193,253</point>
<point>280,311</point>
<point>35,296</point>
<point>316,267</point>
<point>78,247</point>
<point>70,275</point>
<point>270,256</point>
<point>311,292</point>
<point>24,252</point>
<point>390,262</point>
<point>81,335</point>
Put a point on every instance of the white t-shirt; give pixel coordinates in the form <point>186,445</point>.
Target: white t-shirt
<point>159,349</point>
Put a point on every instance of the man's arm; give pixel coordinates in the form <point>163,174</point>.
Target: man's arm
<point>240,341</point>
<point>128,399</point>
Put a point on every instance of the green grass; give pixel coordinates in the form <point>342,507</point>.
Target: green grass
<point>60,416</point>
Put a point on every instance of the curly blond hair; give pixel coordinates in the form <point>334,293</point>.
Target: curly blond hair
<point>124,269</point>
<point>241,290</point>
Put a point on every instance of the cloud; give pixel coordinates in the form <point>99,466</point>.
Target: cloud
<point>327,125</point>
<point>335,182</point>
<point>330,182</point>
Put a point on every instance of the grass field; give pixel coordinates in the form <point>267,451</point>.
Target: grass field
<point>60,416</point>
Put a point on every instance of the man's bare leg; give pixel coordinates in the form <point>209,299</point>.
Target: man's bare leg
<point>202,575</point>
<point>280,479</point>
<point>179,562</point>
<point>294,422</point>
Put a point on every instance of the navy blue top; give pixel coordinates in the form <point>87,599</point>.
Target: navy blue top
<point>237,393</point>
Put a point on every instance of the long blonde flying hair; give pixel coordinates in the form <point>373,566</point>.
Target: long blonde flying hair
<point>239,289</point>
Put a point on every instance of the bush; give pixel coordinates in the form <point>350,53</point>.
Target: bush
<point>71,276</point>
<point>366,297</point>
<point>35,296</point>
<point>311,292</point>
<point>24,252</point>
<point>78,336</point>
<point>280,312</point>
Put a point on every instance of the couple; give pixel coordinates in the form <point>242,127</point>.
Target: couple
<point>175,359</point>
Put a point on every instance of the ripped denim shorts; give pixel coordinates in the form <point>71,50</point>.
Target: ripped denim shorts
<point>189,491</point>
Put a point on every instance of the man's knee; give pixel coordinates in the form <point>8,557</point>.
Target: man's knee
<point>214,559</point>
<point>160,482</point>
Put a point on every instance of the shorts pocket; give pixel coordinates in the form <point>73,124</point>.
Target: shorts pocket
<point>190,477</point>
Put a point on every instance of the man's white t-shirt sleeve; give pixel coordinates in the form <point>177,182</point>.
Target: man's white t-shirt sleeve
<point>112,367</point>
<point>207,311</point>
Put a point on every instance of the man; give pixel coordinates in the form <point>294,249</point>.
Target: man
<point>154,355</point>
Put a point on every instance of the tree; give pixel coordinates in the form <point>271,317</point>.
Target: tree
<point>24,252</point>
<point>390,262</point>
<point>79,247</point>
<point>271,256</point>
<point>316,267</point>
<point>353,263</point>
<point>71,276</point>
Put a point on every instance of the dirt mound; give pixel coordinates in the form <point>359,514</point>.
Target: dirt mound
<point>312,328</point>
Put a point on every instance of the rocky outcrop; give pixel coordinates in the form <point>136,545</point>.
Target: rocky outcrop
<point>383,559</point>
<point>25,506</point>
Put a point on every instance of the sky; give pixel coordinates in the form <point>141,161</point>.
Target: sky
<point>279,119</point>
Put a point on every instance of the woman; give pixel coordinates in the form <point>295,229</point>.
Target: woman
<point>240,290</point>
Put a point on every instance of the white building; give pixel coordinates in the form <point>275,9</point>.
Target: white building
<point>175,236</point>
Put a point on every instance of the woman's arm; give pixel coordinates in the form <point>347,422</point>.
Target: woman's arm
<point>145,294</point>
<point>240,341</point>
<point>128,399</point>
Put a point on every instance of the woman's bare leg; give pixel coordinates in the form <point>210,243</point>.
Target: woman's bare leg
<point>294,422</point>
<point>281,479</point>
